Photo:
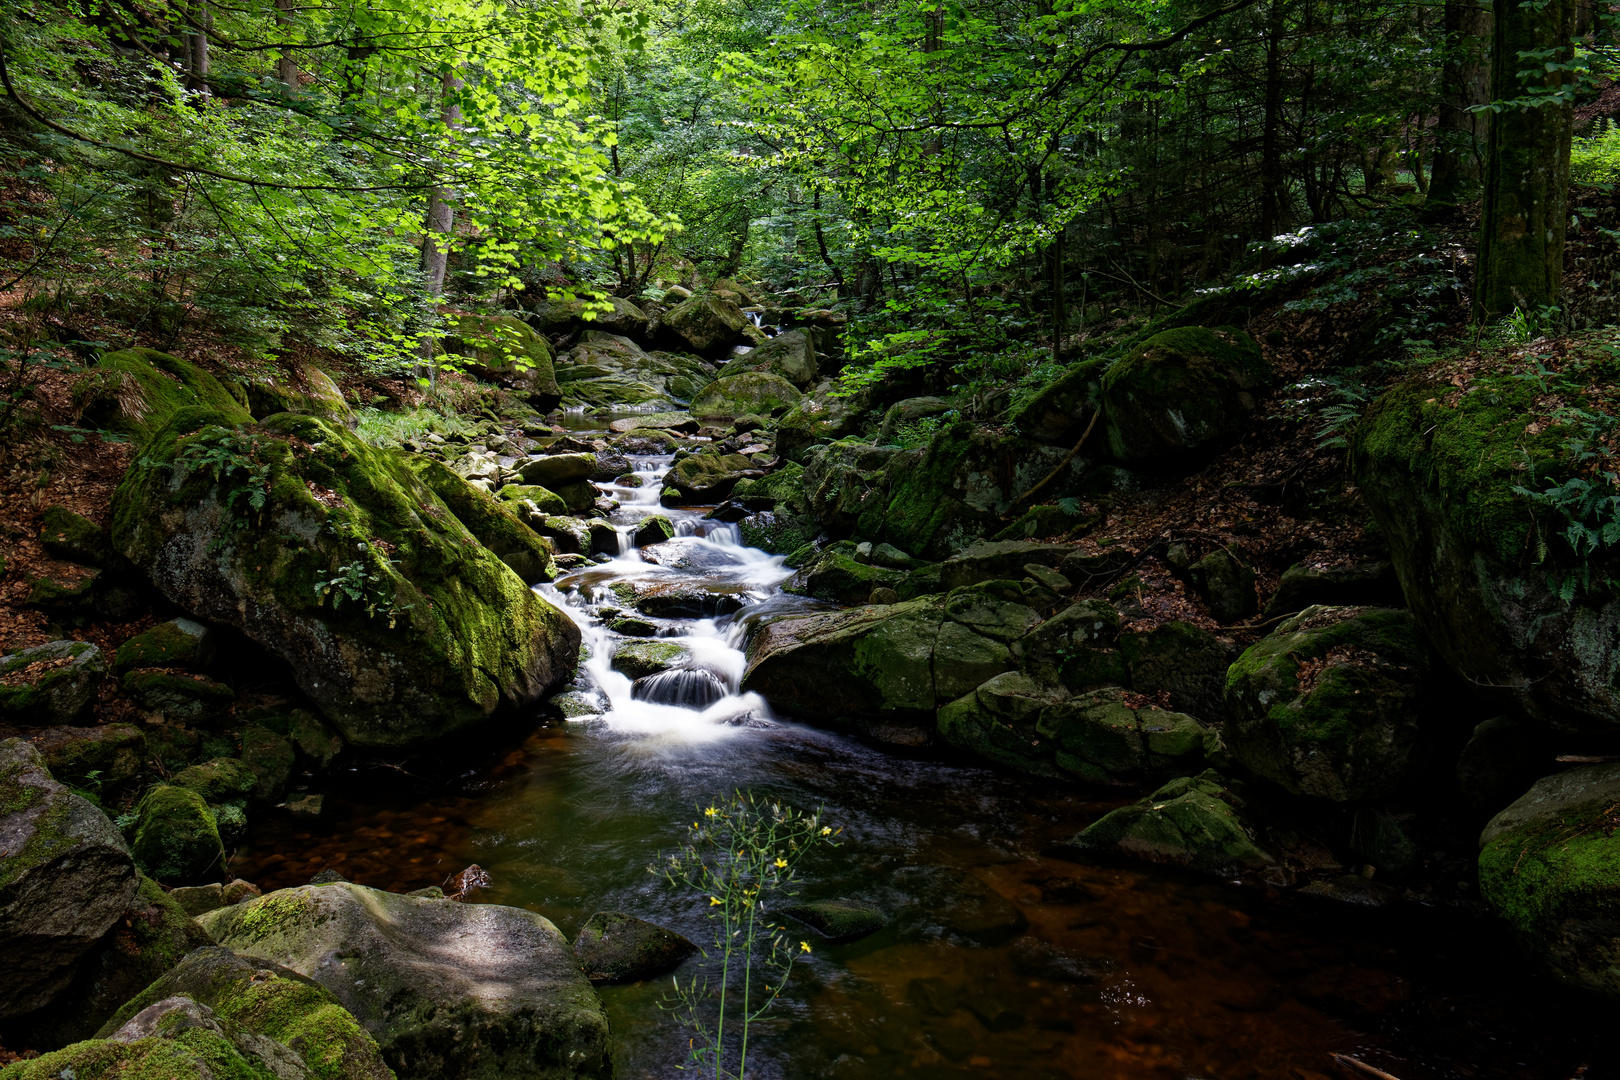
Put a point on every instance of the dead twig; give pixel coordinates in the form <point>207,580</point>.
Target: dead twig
<point>1358,1068</point>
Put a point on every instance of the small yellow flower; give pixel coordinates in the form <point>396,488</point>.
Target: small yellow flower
<point>710,812</point>
<point>781,864</point>
<point>826,830</point>
<point>713,900</point>
<point>804,946</point>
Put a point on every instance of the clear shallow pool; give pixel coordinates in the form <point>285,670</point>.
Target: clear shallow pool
<point>1004,958</point>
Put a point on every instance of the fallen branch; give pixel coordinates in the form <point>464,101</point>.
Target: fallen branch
<point>1359,1068</point>
<point>1053,474</point>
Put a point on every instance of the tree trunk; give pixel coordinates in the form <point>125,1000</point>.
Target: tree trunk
<point>1465,81</point>
<point>1521,228</point>
<point>441,216</point>
<point>286,65</point>
<point>202,20</point>
<point>1271,168</point>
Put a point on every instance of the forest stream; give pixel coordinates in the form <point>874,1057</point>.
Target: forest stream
<point>1003,957</point>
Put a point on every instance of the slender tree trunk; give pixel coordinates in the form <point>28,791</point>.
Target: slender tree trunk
<point>202,21</point>
<point>441,216</point>
<point>286,64</point>
<point>1521,228</point>
<point>1465,81</point>
<point>1271,170</point>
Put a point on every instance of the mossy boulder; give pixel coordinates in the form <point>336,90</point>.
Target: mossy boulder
<point>490,519</point>
<point>709,324</point>
<point>222,780</point>
<point>75,538</point>
<point>779,490</point>
<point>820,416</point>
<point>271,758</point>
<point>1200,822</point>
<point>709,477</point>
<point>612,314</point>
<point>1180,392</point>
<point>606,370</point>
<point>54,683</point>
<point>530,501</point>
<point>555,470</point>
<point>653,529</point>
<point>1483,568</point>
<point>790,355</point>
<point>395,620</point>
<point>843,479</point>
<point>298,388</point>
<point>834,575</point>
<point>181,643</point>
<point>448,990</point>
<point>638,659</point>
<point>960,488</point>
<point>201,1048</point>
<point>506,350</point>
<point>176,837</point>
<point>1059,411</point>
<point>136,391</point>
<point>746,392</point>
<point>1333,703</point>
<point>182,696</point>
<point>265,1000</point>
<point>1549,865</point>
<point>839,920</point>
<point>614,947</point>
<point>65,877</point>
<point>146,941</point>
<point>107,755</point>
<point>903,414</point>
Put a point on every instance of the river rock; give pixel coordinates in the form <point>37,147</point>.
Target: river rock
<point>176,838</point>
<point>1482,567</point>
<point>448,990</point>
<point>398,642</point>
<point>1547,865</point>
<point>65,877</point>
<point>614,947</point>
<point>1199,822</point>
<point>704,478</point>
<point>266,1001</point>
<point>146,941</point>
<point>108,754</point>
<point>181,643</point>
<point>605,370</point>
<point>638,659</point>
<point>790,355</point>
<point>839,920</point>
<point>1180,392</point>
<point>491,519</point>
<point>709,324</point>
<point>503,349</point>
<point>835,576</point>
<point>746,392</point>
<point>556,470</point>
<point>821,416</point>
<point>51,684</point>
<point>1332,704</point>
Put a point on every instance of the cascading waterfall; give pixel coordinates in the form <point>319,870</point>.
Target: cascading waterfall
<point>699,698</point>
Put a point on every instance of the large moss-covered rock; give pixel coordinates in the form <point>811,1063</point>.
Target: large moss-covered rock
<point>1194,821</point>
<point>65,877</point>
<point>107,754</point>
<point>1181,391</point>
<point>710,324</point>
<point>76,539</point>
<point>181,643</point>
<point>834,575</point>
<point>394,619</point>
<point>791,355</point>
<point>54,683</point>
<point>448,990</point>
<point>842,480</point>
<point>821,415</point>
<point>297,388</point>
<point>506,350</point>
<point>1482,567</point>
<point>490,519</point>
<point>746,392</point>
<point>146,941</point>
<point>1059,411</point>
<point>606,369</point>
<point>265,1000</point>
<point>136,391</point>
<point>1550,865</point>
<point>612,314</point>
<point>709,477</point>
<point>177,837</point>
<point>960,488</point>
<point>181,696</point>
<point>1332,703</point>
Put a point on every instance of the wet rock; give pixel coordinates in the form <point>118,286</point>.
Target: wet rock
<point>992,609</point>
<point>109,755</point>
<point>638,659</point>
<point>1547,867</point>
<point>633,626</point>
<point>176,837</point>
<point>746,392</point>
<point>65,877</point>
<point>1372,584</point>
<point>1199,822</point>
<point>780,490</point>
<point>440,634</point>
<point>1227,585</point>
<point>614,947</point>
<point>839,920</point>
<point>1112,733</point>
<point>604,538</point>
<point>265,1000</point>
<point>1181,391</point>
<point>682,422</point>
<point>558,469</point>
<point>709,477</point>
<point>51,684</point>
<point>146,941</point>
<point>527,501</point>
<point>834,575</point>
<point>1332,703</point>
<point>676,599</point>
<point>184,697</point>
<point>447,990</point>
<point>654,529</point>
<point>790,355</point>
<point>181,643</point>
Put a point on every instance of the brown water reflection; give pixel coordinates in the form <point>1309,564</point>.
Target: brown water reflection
<point>1005,959</point>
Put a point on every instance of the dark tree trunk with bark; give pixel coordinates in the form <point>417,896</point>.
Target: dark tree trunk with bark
<point>1461,136</point>
<point>1521,229</point>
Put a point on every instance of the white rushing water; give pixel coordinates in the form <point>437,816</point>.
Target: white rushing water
<point>704,578</point>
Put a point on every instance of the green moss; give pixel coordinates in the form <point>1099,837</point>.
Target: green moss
<point>486,516</point>
<point>304,1017</point>
<point>545,500</point>
<point>176,836</point>
<point>165,645</point>
<point>1565,865</point>
<point>135,391</point>
<point>197,1055</point>
<point>67,535</point>
<point>268,914</point>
